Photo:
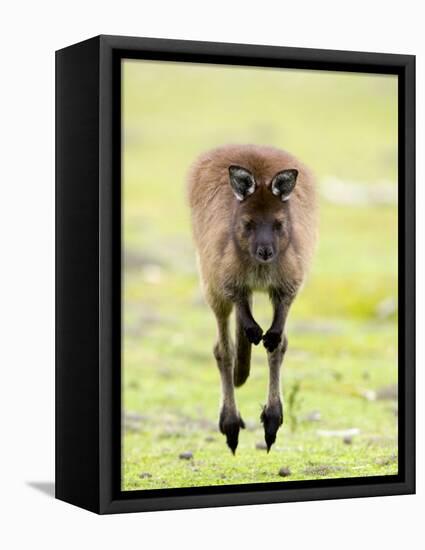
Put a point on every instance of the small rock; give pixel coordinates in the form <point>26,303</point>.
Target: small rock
<point>261,445</point>
<point>284,472</point>
<point>152,273</point>
<point>348,440</point>
<point>314,416</point>
<point>198,299</point>
<point>134,416</point>
<point>380,441</point>
<point>337,375</point>
<point>250,426</point>
<point>132,427</point>
<point>385,461</point>
<point>320,469</point>
<point>209,439</point>
<point>145,475</point>
<point>350,432</point>
<point>320,326</point>
<point>387,392</point>
<point>387,308</point>
<point>133,260</point>
<point>187,455</point>
<point>369,395</point>
<point>351,193</point>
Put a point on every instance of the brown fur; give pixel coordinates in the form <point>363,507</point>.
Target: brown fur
<point>214,206</point>
<point>228,271</point>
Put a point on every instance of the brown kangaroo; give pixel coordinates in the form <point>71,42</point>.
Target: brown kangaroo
<point>254,225</point>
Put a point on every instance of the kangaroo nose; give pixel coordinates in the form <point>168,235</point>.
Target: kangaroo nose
<point>265,253</point>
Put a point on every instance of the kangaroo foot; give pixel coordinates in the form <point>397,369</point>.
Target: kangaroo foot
<point>230,424</point>
<point>272,418</point>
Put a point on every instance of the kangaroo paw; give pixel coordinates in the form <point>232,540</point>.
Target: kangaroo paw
<point>271,340</point>
<point>254,334</point>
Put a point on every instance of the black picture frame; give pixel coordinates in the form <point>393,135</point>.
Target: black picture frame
<point>88,273</point>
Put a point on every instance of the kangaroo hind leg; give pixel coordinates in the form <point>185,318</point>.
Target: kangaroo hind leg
<point>230,421</point>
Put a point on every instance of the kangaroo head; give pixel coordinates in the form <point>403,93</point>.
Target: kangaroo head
<point>261,224</point>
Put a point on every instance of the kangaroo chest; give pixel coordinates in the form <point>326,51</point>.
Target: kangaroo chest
<point>261,277</point>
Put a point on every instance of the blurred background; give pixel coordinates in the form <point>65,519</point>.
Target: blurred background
<point>340,371</point>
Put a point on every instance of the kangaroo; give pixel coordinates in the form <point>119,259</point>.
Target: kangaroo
<point>254,225</point>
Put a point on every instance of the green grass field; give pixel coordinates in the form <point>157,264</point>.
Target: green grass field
<point>340,371</point>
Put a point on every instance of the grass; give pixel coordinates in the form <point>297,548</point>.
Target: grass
<point>342,351</point>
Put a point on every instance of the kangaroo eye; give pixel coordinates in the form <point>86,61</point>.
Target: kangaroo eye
<point>277,226</point>
<point>248,225</point>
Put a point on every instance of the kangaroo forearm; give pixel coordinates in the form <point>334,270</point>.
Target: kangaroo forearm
<point>281,304</point>
<point>273,337</point>
<point>243,307</point>
<point>252,329</point>
<point>279,317</point>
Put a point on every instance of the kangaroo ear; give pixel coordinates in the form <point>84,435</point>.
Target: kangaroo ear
<point>283,183</point>
<point>242,182</point>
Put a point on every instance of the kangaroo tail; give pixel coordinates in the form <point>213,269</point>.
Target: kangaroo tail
<point>243,354</point>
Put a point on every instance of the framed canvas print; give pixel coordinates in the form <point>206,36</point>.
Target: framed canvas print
<point>235,274</point>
